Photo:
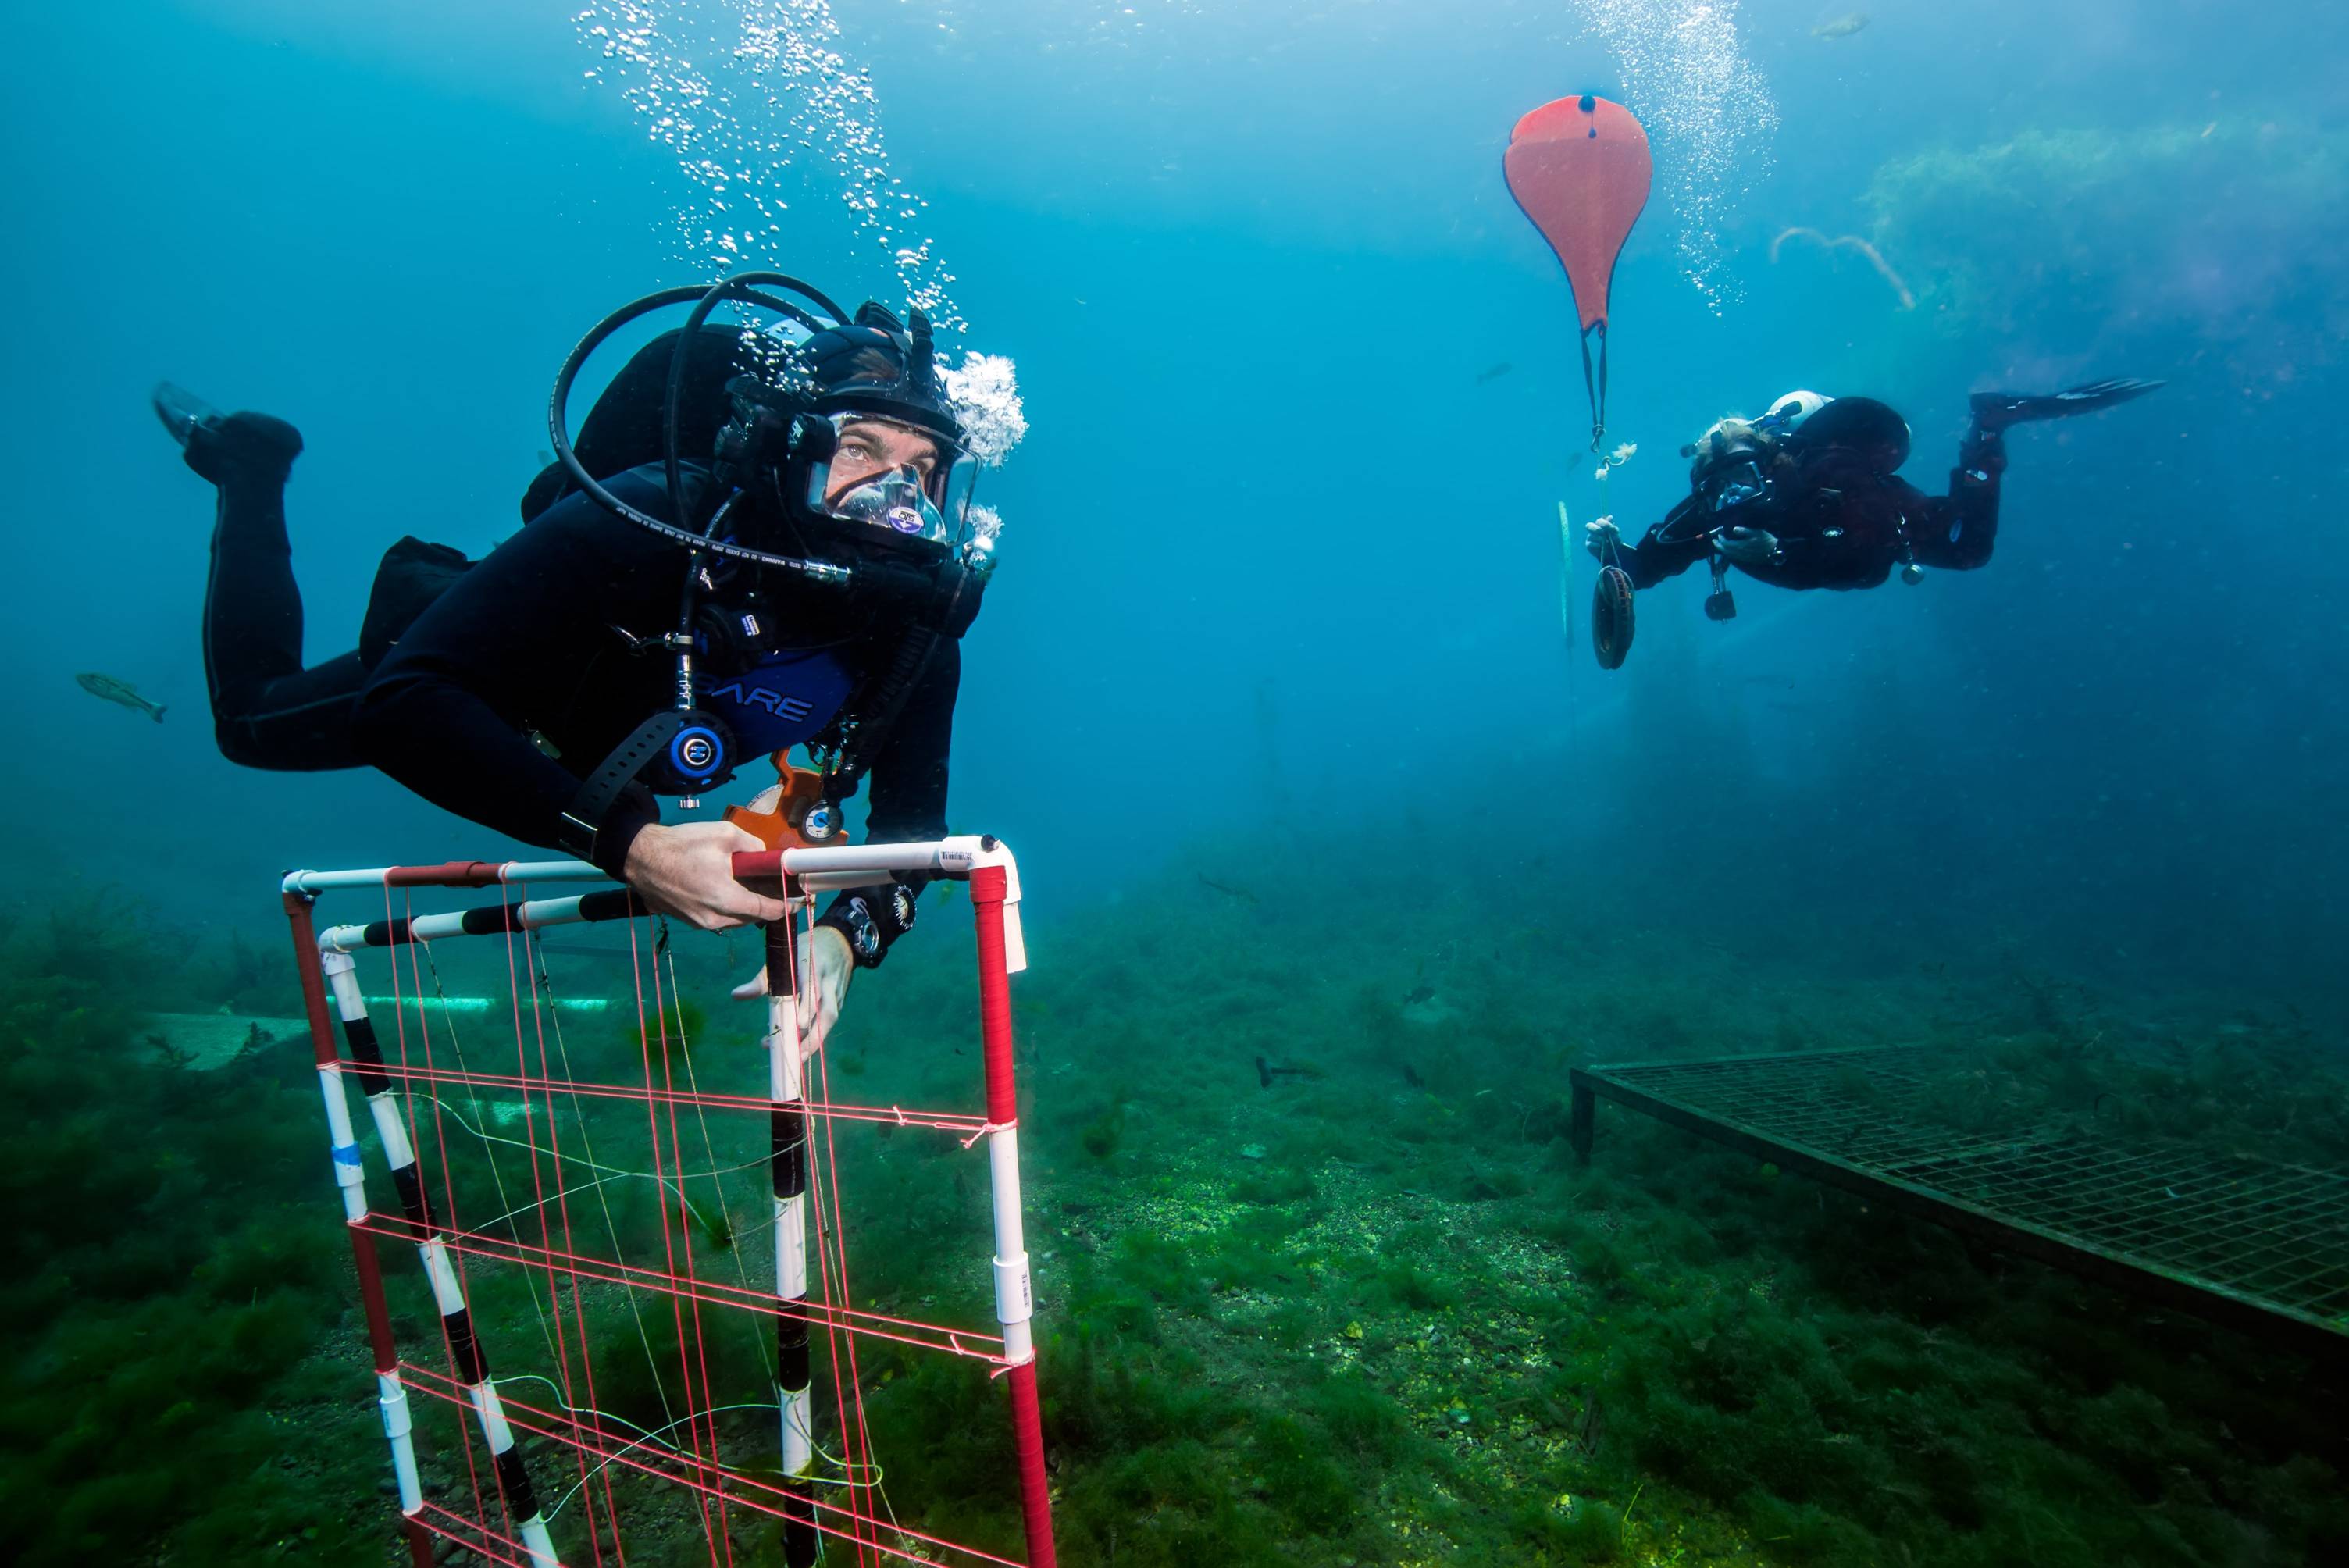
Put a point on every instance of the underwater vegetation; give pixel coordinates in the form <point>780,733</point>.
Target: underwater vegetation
<point>179,1381</point>
<point>1365,1312</point>
<point>2247,221</point>
<point>1377,1315</point>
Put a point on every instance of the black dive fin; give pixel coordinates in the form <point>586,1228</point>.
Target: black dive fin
<point>258,446</point>
<point>1997,410</point>
<point>180,410</point>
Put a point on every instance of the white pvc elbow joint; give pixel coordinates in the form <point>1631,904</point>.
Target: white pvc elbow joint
<point>967,853</point>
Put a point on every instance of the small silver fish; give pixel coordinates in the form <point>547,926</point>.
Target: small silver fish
<point>121,693</point>
<point>1842,26</point>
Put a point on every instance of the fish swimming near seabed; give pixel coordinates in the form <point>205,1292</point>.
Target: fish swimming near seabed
<point>1842,26</point>
<point>1266,1075</point>
<point>121,693</point>
<point>1226,888</point>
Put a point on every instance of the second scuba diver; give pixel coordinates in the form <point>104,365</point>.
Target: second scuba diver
<point>760,538</point>
<point>1806,497</point>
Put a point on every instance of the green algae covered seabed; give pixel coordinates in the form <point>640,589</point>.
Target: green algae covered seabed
<point>1372,1313</point>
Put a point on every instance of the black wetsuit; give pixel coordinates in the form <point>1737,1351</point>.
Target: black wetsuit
<point>520,677</point>
<point>268,709</point>
<point>1840,523</point>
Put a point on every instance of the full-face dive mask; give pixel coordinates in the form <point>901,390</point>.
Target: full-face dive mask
<point>894,501</point>
<point>1734,459</point>
<point>1733,472</point>
<point>1734,484</point>
<point>912,482</point>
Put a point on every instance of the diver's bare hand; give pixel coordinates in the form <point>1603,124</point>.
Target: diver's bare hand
<point>828,968</point>
<point>687,871</point>
<point>1603,537</point>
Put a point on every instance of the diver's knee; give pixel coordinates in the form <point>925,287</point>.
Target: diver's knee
<point>248,742</point>
<point>234,738</point>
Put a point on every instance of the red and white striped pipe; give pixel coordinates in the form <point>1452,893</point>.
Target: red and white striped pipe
<point>432,1247</point>
<point>982,861</point>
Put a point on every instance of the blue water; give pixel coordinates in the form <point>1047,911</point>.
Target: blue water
<point>1250,264</point>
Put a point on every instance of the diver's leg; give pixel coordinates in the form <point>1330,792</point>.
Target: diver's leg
<point>299,723</point>
<point>268,711</point>
<point>1959,532</point>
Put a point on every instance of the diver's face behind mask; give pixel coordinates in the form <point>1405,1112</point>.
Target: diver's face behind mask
<point>895,477</point>
<point>1734,484</point>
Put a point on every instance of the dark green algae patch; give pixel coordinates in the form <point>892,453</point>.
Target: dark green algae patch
<point>181,1383</point>
<point>1372,1314</point>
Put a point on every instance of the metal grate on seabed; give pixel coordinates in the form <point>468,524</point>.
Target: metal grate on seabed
<point>2257,1244</point>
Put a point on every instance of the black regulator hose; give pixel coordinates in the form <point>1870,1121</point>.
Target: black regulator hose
<point>559,434</point>
<point>738,287</point>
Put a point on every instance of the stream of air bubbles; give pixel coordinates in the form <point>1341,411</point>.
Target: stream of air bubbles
<point>743,92</point>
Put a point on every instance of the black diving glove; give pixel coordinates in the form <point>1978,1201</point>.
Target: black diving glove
<point>1994,411</point>
<point>1748,546</point>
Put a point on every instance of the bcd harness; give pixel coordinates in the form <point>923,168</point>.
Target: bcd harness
<point>687,750</point>
<point>768,467</point>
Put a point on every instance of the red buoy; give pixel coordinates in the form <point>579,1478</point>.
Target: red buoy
<point>1580,169</point>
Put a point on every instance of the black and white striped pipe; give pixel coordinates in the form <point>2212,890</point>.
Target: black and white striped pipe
<point>793,1369</point>
<point>432,1245</point>
<point>846,865</point>
<point>813,869</point>
<point>488,919</point>
<point>350,1178</point>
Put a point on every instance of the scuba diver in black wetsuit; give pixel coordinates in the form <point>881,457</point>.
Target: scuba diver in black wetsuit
<point>755,543</point>
<point>1806,496</point>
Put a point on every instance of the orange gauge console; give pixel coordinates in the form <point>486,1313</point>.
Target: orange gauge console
<point>781,829</point>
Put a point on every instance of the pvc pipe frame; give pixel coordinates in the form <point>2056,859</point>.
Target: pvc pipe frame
<point>994,894</point>
<point>534,915</point>
<point>994,877</point>
<point>791,1170</point>
<point>340,970</point>
<point>390,1397</point>
<point>955,858</point>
